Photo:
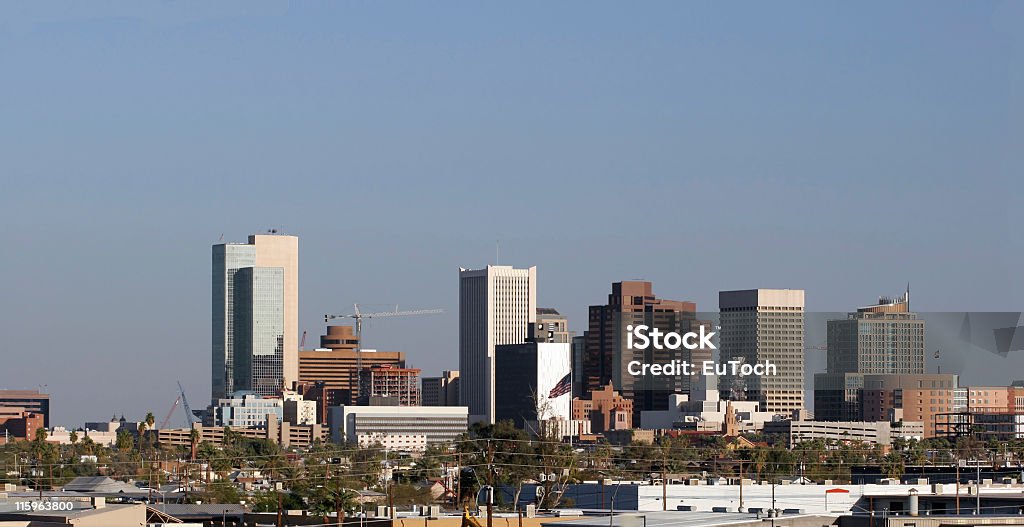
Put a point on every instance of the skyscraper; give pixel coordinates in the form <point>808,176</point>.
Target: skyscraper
<point>497,304</point>
<point>607,355</point>
<point>255,315</point>
<point>759,325</point>
<point>882,339</point>
<point>885,338</point>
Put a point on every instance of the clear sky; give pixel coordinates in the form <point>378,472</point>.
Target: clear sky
<point>837,147</point>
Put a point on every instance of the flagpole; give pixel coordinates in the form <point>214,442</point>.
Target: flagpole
<point>571,431</point>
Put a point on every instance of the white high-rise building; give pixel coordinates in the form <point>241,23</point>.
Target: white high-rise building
<point>759,326</point>
<point>255,315</point>
<point>496,306</point>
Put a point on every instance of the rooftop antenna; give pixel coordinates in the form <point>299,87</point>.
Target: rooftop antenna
<point>497,252</point>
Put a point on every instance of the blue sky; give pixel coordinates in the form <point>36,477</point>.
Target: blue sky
<point>844,149</point>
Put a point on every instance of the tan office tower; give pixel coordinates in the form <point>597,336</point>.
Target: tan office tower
<point>276,250</point>
<point>496,306</point>
<point>607,355</point>
<point>255,315</point>
<point>759,325</point>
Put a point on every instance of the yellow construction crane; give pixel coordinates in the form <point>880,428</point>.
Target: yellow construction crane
<point>358,316</point>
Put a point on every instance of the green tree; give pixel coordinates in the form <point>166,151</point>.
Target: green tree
<point>892,465</point>
<point>125,441</point>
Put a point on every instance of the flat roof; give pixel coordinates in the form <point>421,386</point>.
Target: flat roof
<point>680,519</point>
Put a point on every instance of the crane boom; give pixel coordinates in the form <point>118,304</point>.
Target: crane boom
<point>189,417</point>
<point>167,419</point>
<point>358,316</point>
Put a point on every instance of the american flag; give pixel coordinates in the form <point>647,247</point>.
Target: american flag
<point>562,387</point>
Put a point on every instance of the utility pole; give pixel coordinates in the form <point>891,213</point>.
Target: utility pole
<point>458,480</point>
<point>741,487</point>
<point>664,483</point>
<point>490,476</point>
<point>977,488</point>
<point>280,519</point>
<point>664,492</point>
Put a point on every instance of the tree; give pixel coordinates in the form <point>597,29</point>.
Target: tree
<point>125,441</point>
<point>193,437</point>
<point>73,437</point>
<point>892,465</point>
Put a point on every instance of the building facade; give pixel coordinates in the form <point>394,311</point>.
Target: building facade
<point>535,382</point>
<point>386,380</point>
<point>247,410</point>
<point>881,339</point>
<point>255,315</point>
<point>920,397</point>
<point>437,424</point>
<point>885,338</point>
<point>441,391</point>
<point>336,364</point>
<point>606,410</point>
<point>27,400</point>
<point>16,423</point>
<point>497,305</point>
<point>282,433</point>
<point>850,432</point>
<point>607,356</point>
<point>759,326</point>
<point>552,326</point>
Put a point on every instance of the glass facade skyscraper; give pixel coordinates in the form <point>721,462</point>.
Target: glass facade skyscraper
<point>255,313</point>
<point>228,259</point>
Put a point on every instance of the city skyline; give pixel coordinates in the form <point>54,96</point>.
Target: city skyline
<point>837,149</point>
<point>815,364</point>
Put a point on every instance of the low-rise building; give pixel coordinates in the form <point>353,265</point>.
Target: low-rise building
<point>870,432</point>
<point>247,410</point>
<point>706,411</point>
<point>605,409</point>
<point>438,424</point>
<point>394,442</point>
<point>28,401</point>
<point>18,423</point>
<point>282,433</point>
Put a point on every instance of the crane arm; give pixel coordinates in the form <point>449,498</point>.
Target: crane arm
<point>188,410</point>
<point>383,314</point>
<point>167,419</point>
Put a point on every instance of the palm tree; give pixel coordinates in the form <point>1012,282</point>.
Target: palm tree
<point>892,465</point>
<point>193,437</point>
